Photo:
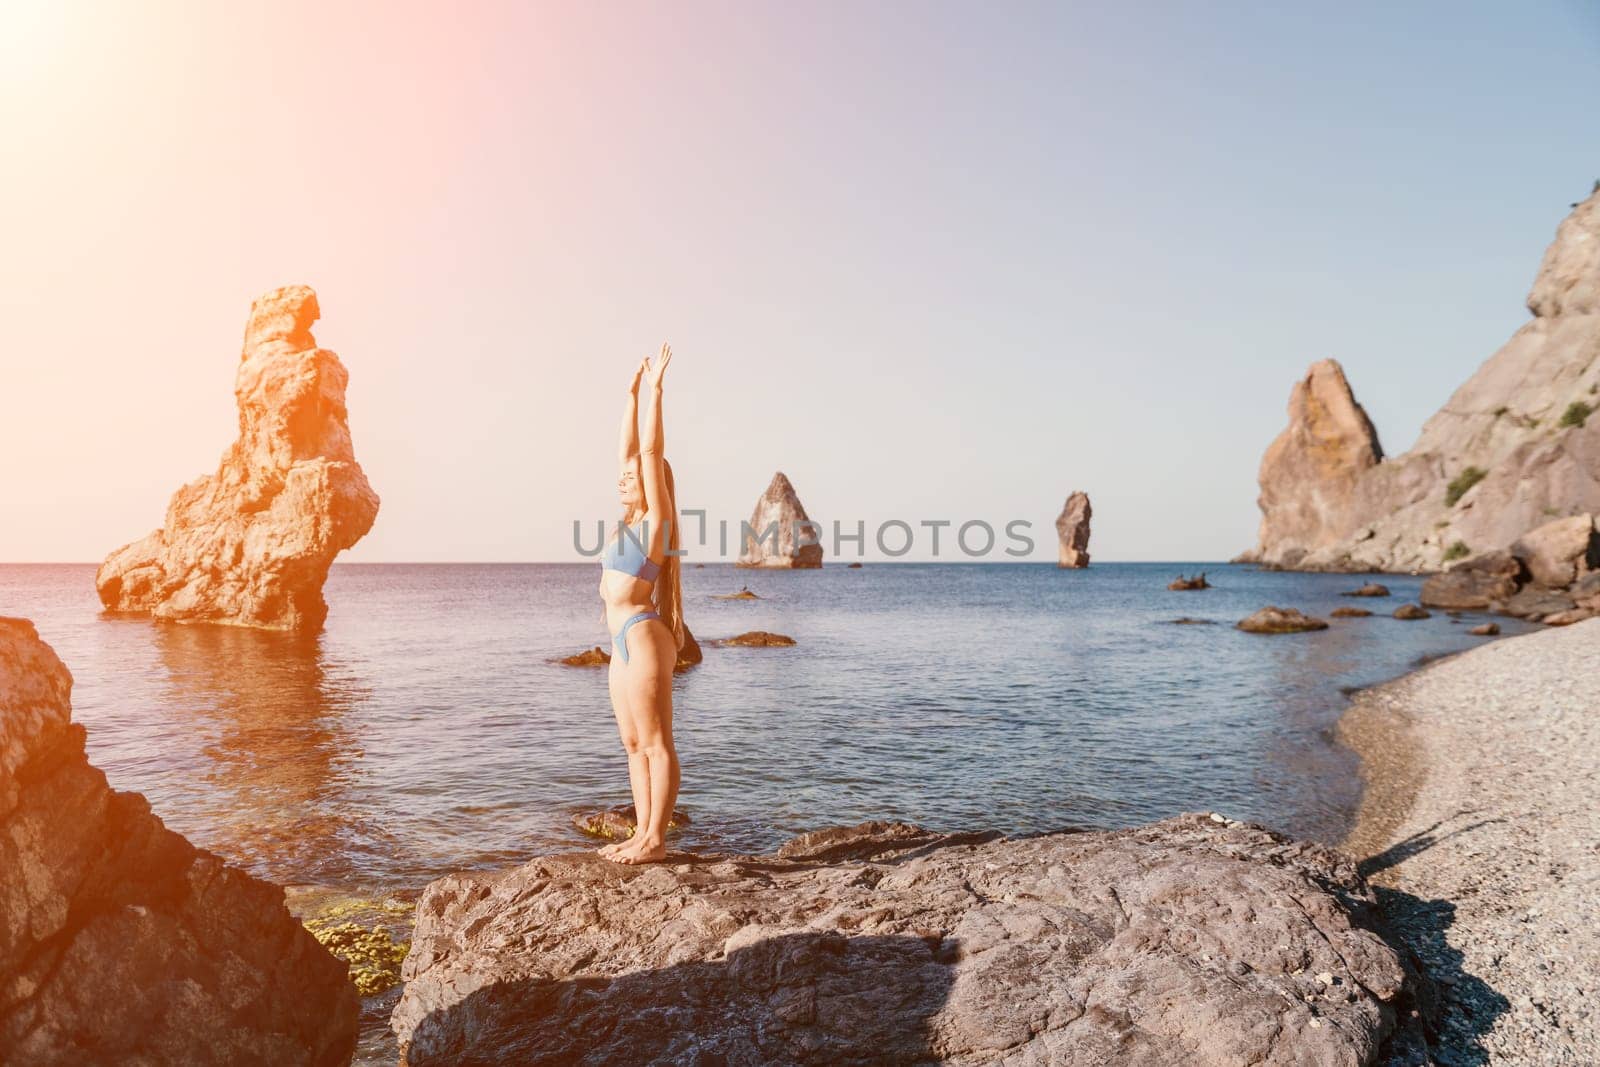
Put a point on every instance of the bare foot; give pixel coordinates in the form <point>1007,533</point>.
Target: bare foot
<point>647,852</point>
<point>616,846</point>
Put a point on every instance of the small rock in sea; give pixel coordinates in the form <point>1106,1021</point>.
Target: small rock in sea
<point>760,639</point>
<point>854,567</point>
<point>1182,583</point>
<point>618,823</point>
<point>1186,621</point>
<point>1349,613</point>
<point>594,657</point>
<point>744,593</point>
<point>1274,620</point>
<point>1412,611</point>
<point>1370,589</point>
<point>1488,629</point>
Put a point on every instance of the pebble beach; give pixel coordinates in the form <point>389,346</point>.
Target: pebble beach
<point>1480,829</point>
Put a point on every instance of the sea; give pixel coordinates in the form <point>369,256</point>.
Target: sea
<point>430,727</point>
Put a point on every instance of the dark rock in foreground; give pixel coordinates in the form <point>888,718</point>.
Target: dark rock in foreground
<point>1194,940</point>
<point>120,942</point>
<point>1271,620</point>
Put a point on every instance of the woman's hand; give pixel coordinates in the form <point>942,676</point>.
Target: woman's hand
<point>661,365</point>
<point>638,373</point>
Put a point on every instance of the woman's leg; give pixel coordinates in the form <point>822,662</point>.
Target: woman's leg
<point>638,766</point>
<point>649,691</point>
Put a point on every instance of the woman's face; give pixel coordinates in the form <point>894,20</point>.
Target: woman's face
<point>629,488</point>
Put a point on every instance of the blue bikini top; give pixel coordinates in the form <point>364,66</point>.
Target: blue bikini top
<point>626,554</point>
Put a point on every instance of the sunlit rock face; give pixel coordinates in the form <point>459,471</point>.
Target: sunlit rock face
<point>793,544</point>
<point>251,544</point>
<point>1196,940</point>
<point>1072,531</point>
<point>120,942</point>
<point>1514,447</point>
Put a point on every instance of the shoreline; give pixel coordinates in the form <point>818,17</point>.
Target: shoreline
<point>1477,827</point>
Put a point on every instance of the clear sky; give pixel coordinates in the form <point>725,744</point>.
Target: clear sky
<point>934,261</point>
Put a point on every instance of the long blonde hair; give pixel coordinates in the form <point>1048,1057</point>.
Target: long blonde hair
<point>667,596</point>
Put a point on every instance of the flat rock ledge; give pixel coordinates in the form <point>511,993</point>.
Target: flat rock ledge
<point>1193,940</point>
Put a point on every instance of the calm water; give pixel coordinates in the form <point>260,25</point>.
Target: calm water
<point>428,730</point>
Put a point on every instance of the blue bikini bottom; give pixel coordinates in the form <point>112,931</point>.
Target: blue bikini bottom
<point>621,640</point>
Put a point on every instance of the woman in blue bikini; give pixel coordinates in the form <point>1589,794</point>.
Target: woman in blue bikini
<point>644,612</point>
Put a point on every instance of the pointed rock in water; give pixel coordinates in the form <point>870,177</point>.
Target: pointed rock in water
<point>1072,529</point>
<point>594,657</point>
<point>887,943</point>
<point>780,533</point>
<point>1310,474</point>
<point>251,544</point>
<point>120,942</point>
<point>1516,440</point>
<point>1273,620</point>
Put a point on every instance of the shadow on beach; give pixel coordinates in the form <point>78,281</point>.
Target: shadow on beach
<point>1455,1007</point>
<point>816,997</point>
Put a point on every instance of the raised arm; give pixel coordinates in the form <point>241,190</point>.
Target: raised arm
<point>628,446</point>
<point>658,504</point>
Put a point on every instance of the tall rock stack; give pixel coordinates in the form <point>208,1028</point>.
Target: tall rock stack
<point>780,530</point>
<point>1072,527</point>
<point>120,942</point>
<point>251,544</point>
<point>1517,445</point>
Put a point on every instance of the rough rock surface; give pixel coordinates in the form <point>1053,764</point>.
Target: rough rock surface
<point>1311,473</point>
<point>1193,940</point>
<point>1072,529</point>
<point>251,544</point>
<point>759,639</point>
<point>781,534</point>
<point>1328,504</point>
<point>120,942</point>
<point>1275,620</point>
<point>1551,573</point>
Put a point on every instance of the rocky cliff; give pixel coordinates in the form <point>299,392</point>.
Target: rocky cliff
<point>251,544</point>
<point>1514,446</point>
<point>780,530</point>
<point>1072,530</point>
<point>120,942</point>
<point>1194,940</point>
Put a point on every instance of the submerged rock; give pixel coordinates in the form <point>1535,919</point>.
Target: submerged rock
<point>619,823</point>
<point>1072,529</point>
<point>251,544</point>
<point>1350,613</point>
<point>760,639</point>
<point>781,534</point>
<point>1370,589</point>
<point>1515,444</point>
<point>120,942</point>
<point>1274,620</point>
<point>1187,621</point>
<point>1193,940</point>
<point>744,593</point>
